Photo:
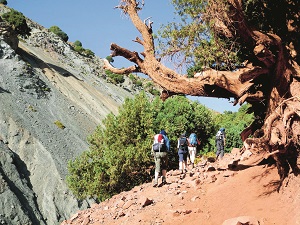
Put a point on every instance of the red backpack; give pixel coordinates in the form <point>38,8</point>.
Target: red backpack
<point>159,144</point>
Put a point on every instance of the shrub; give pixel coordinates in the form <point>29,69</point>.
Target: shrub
<point>78,43</point>
<point>110,59</point>
<point>78,48</point>
<point>114,78</point>
<point>56,30</point>
<point>89,53</point>
<point>59,124</point>
<point>18,22</point>
<point>4,2</point>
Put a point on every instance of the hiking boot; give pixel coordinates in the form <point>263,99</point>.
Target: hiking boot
<point>163,180</point>
<point>155,183</point>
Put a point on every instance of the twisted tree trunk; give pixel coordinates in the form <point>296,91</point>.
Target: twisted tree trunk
<point>269,82</point>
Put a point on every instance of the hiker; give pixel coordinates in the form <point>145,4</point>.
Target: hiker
<point>182,152</point>
<point>193,142</point>
<point>160,149</point>
<point>220,143</point>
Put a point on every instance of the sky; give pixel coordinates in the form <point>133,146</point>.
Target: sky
<point>97,24</point>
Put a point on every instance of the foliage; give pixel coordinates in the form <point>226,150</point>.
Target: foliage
<point>110,59</point>
<point>149,87</point>
<point>78,48</point>
<point>89,53</point>
<point>18,21</point>
<point>56,30</point>
<point>234,123</point>
<point>154,91</point>
<point>192,39</point>
<point>115,78</point>
<point>78,43</point>
<point>135,80</point>
<point>59,124</point>
<point>285,23</point>
<point>4,2</point>
<point>119,155</point>
<point>196,41</point>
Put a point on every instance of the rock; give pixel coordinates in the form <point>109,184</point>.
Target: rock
<point>242,220</point>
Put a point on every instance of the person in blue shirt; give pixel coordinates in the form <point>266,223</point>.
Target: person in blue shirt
<point>160,156</point>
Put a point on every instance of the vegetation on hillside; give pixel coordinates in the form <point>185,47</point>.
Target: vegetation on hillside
<point>56,30</point>
<point>17,21</point>
<point>119,156</point>
<point>77,45</point>
<point>246,50</point>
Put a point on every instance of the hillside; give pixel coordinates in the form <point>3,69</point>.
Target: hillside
<point>212,193</point>
<point>51,99</point>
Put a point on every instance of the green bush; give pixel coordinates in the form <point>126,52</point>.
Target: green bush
<point>78,48</point>
<point>4,2</point>
<point>78,43</point>
<point>89,53</point>
<point>56,30</point>
<point>110,59</point>
<point>18,22</point>
<point>234,123</point>
<point>119,156</point>
<point>154,92</point>
<point>114,78</point>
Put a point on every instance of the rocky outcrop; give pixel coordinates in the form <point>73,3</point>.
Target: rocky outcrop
<point>51,99</point>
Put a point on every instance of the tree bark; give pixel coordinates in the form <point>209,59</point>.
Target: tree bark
<point>270,83</point>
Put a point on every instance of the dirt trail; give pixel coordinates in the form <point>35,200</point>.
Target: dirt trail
<point>221,195</point>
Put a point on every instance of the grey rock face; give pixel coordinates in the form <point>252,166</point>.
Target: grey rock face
<point>45,84</point>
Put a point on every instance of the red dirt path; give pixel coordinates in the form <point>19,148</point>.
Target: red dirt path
<point>206,198</point>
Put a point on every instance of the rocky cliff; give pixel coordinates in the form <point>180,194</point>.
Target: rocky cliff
<point>51,99</point>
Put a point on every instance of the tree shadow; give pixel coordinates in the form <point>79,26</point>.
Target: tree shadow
<point>4,91</point>
<point>272,186</point>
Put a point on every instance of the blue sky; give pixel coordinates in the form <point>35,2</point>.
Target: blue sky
<point>97,24</point>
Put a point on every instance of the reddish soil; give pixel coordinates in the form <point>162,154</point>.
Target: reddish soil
<point>205,197</point>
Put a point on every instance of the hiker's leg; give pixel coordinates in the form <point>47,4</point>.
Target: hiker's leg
<point>218,149</point>
<point>180,154</point>
<point>164,167</point>
<point>185,161</point>
<point>157,168</point>
<point>222,151</point>
<point>192,151</point>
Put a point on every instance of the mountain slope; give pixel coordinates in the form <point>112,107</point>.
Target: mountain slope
<point>51,99</point>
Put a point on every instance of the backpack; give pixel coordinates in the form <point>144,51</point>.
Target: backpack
<point>193,139</point>
<point>183,143</point>
<point>159,144</point>
<point>219,135</point>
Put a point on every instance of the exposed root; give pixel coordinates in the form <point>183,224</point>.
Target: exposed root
<point>281,138</point>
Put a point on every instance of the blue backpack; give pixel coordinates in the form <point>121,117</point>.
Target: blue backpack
<point>193,139</point>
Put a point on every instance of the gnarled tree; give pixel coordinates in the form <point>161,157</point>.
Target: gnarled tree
<point>254,59</point>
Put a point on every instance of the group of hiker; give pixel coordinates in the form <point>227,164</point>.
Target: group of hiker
<point>187,148</point>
